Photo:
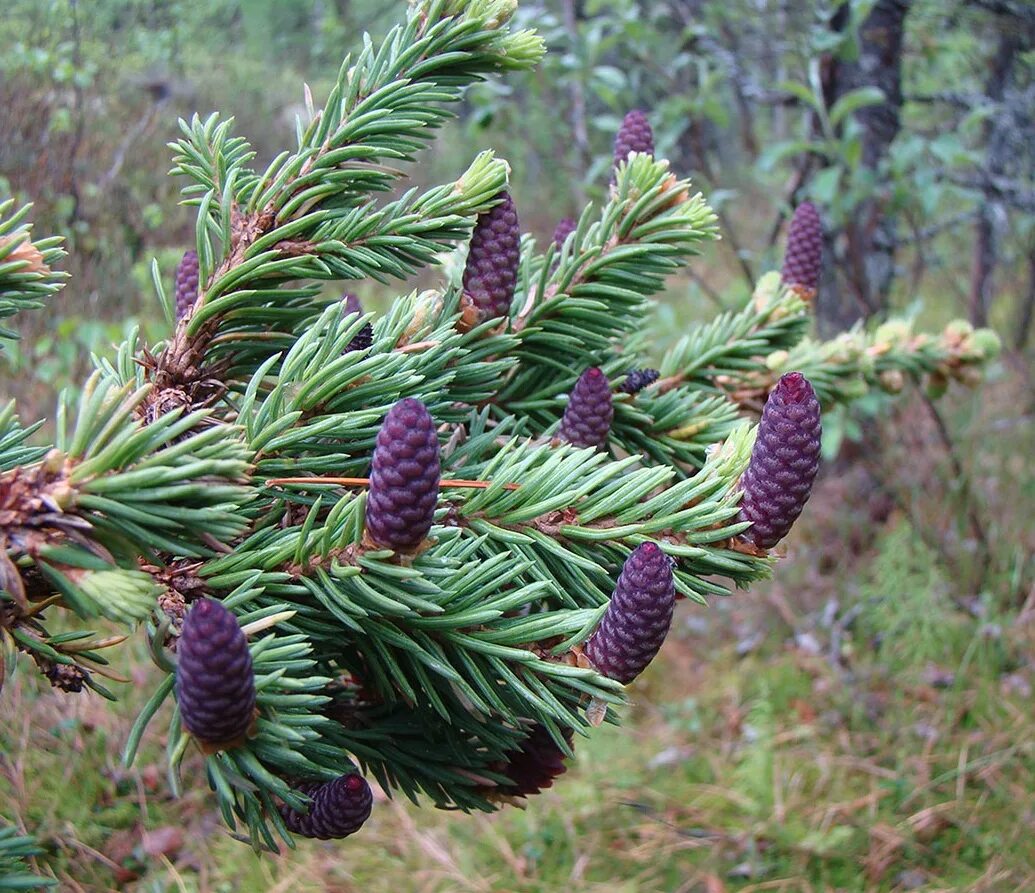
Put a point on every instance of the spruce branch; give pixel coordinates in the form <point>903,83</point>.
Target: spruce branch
<point>27,274</point>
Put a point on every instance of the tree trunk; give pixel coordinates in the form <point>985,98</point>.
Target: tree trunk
<point>986,242</point>
<point>863,253</point>
<point>1027,308</point>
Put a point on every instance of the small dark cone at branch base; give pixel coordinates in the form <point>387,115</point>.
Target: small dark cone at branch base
<point>637,618</point>
<point>337,809</point>
<point>534,766</point>
<point>215,686</point>
<point>587,418</point>
<point>490,275</point>
<point>365,336</point>
<point>638,379</point>
<point>564,228</point>
<point>186,283</point>
<point>404,478</point>
<point>803,259</point>
<point>635,135</point>
<point>784,462</point>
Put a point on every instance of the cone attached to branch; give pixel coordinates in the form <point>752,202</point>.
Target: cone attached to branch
<point>635,135</point>
<point>587,418</point>
<point>803,259</point>
<point>534,766</point>
<point>490,275</point>
<point>637,618</point>
<point>784,462</point>
<point>186,283</point>
<point>337,809</point>
<point>404,478</point>
<point>565,227</point>
<point>638,379</point>
<point>215,685</point>
<point>365,336</point>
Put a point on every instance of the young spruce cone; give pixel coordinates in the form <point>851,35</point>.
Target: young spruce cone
<point>635,135</point>
<point>783,463</point>
<point>587,418</point>
<point>803,259</point>
<point>492,260</point>
<point>365,336</point>
<point>533,767</point>
<point>186,283</point>
<point>404,478</point>
<point>638,379</point>
<point>563,229</point>
<point>637,618</point>
<point>215,686</point>
<point>337,809</point>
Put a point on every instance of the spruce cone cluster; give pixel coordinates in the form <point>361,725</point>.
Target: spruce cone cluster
<point>490,275</point>
<point>638,379</point>
<point>365,336</point>
<point>784,462</point>
<point>534,766</point>
<point>803,259</point>
<point>337,809</point>
<point>404,478</point>
<point>637,618</point>
<point>215,686</point>
<point>635,135</point>
<point>587,418</point>
<point>186,283</point>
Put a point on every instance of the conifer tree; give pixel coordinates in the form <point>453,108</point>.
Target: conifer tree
<point>381,559</point>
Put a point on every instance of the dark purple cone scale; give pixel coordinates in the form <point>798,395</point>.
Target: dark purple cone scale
<point>637,618</point>
<point>534,766</point>
<point>803,259</point>
<point>635,135</point>
<point>186,283</point>
<point>564,228</point>
<point>337,809</point>
<point>215,685</point>
<point>587,418</point>
<point>784,462</point>
<point>638,379</point>
<point>493,258</point>
<point>365,336</point>
<point>404,478</point>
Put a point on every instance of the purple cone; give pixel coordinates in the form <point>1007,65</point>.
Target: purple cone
<point>587,418</point>
<point>337,809</point>
<point>537,762</point>
<point>803,259</point>
<point>637,618</point>
<point>563,229</point>
<point>638,379</point>
<point>404,478</point>
<point>186,283</point>
<point>492,260</point>
<point>784,462</point>
<point>635,135</point>
<point>215,685</point>
<point>365,336</point>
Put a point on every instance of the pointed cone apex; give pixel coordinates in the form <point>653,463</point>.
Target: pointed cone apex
<point>537,762</point>
<point>784,462</point>
<point>587,418</point>
<point>351,302</point>
<point>637,618</point>
<point>186,283</point>
<point>492,260</point>
<point>803,259</point>
<point>337,809</point>
<point>404,478</point>
<point>215,686</point>
<point>635,135</point>
<point>563,229</point>
<point>638,379</point>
